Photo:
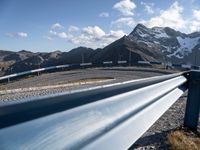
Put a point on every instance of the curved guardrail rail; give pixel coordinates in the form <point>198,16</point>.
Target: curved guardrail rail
<point>182,66</point>
<point>105,117</point>
<point>8,77</point>
<point>122,62</point>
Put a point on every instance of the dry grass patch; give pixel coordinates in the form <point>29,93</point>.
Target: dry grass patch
<point>184,140</point>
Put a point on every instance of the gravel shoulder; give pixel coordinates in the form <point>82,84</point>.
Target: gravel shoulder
<point>156,137</point>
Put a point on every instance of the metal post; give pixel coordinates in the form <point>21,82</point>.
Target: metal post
<point>193,101</point>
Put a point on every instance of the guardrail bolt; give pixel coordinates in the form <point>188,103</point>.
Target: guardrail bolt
<point>193,101</point>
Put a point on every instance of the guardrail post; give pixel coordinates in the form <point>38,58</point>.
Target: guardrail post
<point>193,101</point>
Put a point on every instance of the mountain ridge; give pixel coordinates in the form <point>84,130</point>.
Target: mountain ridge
<point>143,43</point>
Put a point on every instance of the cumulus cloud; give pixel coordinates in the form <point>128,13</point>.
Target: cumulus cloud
<point>97,39</point>
<point>95,31</point>
<point>17,35</point>
<point>125,7</point>
<point>148,7</point>
<point>194,24</point>
<point>172,17</point>
<point>196,14</point>
<point>54,34</point>
<point>127,21</point>
<point>48,37</point>
<point>73,29</point>
<point>57,26</point>
<point>104,14</point>
<point>112,36</point>
<point>90,36</point>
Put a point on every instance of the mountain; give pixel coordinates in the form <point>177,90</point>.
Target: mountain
<point>153,44</point>
<point>26,60</point>
<point>120,50</point>
<point>33,62</point>
<point>77,55</point>
<point>150,44</point>
<point>176,47</point>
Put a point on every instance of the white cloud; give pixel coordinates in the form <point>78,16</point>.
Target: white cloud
<point>22,34</point>
<point>91,40</point>
<point>57,26</point>
<point>196,14</point>
<point>194,23</point>
<point>126,7</point>
<point>53,33</point>
<point>172,17</point>
<point>112,36</point>
<point>73,29</point>
<point>94,31</point>
<point>127,21</point>
<point>104,14</point>
<point>62,35</point>
<point>17,35</point>
<point>194,26</point>
<point>148,7</point>
<point>90,36</point>
<point>48,37</point>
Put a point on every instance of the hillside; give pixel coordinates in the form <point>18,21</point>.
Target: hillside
<point>154,44</point>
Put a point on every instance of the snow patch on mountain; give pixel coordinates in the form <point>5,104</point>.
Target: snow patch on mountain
<point>159,32</point>
<point>141,33</point>
<point>149,44</point>
<point>170,42</point>
<point>186,46</point>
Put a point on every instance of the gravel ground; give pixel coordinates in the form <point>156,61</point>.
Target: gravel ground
<point>119,74</point>
<point>156,137</point>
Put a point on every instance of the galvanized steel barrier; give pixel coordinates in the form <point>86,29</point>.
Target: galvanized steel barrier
<point>182,66</point>
<point>122,62</point>
<point>89,64</point>
<point>104,117</point>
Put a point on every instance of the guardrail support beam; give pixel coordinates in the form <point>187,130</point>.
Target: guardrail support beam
<point>193,101</point>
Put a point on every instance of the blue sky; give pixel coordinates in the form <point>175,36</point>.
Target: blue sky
<point>48,25</point>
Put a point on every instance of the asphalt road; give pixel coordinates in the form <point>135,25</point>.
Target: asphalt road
<point>58,82</point>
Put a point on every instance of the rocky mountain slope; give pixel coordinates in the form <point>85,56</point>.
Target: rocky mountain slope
<point>151,44</point>
<point>176,47</point>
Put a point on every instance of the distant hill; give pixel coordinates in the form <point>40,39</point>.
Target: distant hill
<point>154,44</point>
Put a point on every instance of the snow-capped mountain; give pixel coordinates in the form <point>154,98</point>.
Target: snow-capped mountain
<point>176,46</point>
<point>149,44</point>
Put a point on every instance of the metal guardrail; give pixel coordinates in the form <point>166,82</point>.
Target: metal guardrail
<point>8,77</point>
<point>103,117</point>
<point>122,62</point>
<point>183,66</point>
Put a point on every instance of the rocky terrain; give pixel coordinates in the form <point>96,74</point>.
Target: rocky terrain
<point>175,46</point>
